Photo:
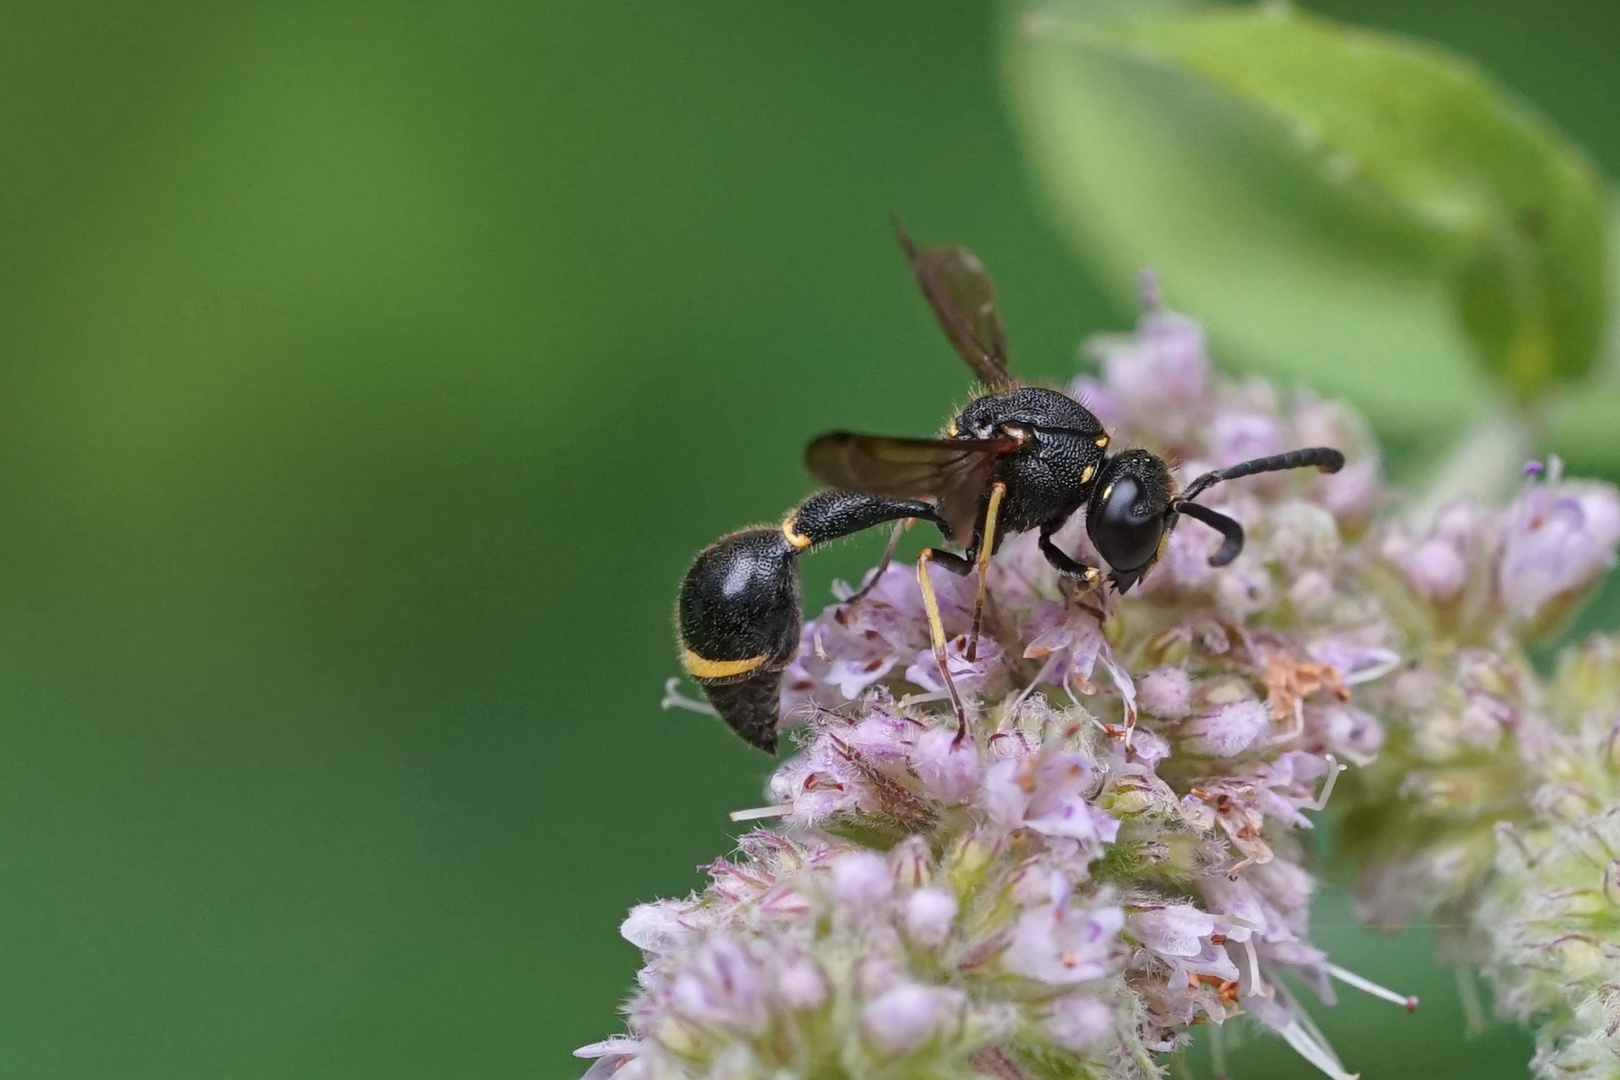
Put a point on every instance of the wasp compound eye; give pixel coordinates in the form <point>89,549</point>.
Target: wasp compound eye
<point>1125,525</point>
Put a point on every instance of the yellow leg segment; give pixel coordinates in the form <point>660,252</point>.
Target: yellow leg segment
<point>936,634</point>
<point>987,545</point>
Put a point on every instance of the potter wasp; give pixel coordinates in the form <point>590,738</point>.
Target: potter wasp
<point>1015,458</point>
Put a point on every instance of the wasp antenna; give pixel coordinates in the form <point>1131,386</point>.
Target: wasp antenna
<point>1231,546</point>
<point>1322,457</point>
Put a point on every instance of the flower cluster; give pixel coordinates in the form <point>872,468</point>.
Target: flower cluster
<point>1113,854</point>
<point>1467,593</point>
<point>1495,801</point>
<point>1550,909</point>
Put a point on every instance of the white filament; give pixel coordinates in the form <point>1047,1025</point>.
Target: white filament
<point>1334,769</point>
<point>1406,1001</point>
<point>779,810</point>
<point>674,699</point>
<point>1306,1046</point>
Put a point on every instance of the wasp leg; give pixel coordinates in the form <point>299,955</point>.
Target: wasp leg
<point>1061,562</point>
<point>882,566</point>
<point>739,605</point>
<point>986,548</point>
<point>956,564</point>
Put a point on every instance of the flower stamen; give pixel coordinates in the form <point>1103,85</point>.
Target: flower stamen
<point>759,812</point>
<point>1334,769</point>
<point>1306,1046</point>
<point>1409,1002</point>
<point>674,699</point>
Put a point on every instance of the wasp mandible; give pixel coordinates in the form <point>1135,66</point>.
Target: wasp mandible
<point>1015,458</point>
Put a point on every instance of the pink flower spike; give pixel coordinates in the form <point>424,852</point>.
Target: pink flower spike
<point>1113,854</point>
<point>657,927</point>
<point>930,913</point>
<point>903,1017</point>
<point>802,985</point>
<point>619,1045</point>
<point>1436,569</point>
<point>948,769</point>
<point>1077,819</point>
<point>1166,692</point>
<point>1061,946</point>
<point>1228,730</point>
<point>860,881</point>
<point>1173,930</point>
<point>1078,1022</point>
<point>617,1067</point>
<point>722,988</point>
<point>1557,538</point>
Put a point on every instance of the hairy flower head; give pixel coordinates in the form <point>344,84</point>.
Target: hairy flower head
<point>1113,853</point>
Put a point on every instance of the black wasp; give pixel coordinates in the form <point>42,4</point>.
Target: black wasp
<point>1015,458</point>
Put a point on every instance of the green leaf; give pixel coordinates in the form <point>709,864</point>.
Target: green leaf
<point>1585,432</point>
<point>1584,424</point>
<point>1364,210</point>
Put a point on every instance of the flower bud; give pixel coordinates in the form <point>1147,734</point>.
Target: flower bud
<point>948,767</point>
<point>903,1017</point>
<point>912,862</point>
<point>1077,1022</point>
<point>1557,539</point>
<point>801,984</point>
<point>1228,730</point>
<point>1165,692</point>
<point>929,915</point>
<point>860,881</point>
<point>655,927</point>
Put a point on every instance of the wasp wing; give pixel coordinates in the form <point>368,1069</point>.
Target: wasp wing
<point>955,473</point>
<point>964,300</point>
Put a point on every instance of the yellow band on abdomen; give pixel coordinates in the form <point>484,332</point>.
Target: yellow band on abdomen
<point>701,668</point>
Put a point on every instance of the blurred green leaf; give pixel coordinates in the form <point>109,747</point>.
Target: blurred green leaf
<point>1585,431</point>
<point>1363,210</point>
<point>1582,423</point>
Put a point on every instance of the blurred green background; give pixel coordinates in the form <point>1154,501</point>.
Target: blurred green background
<point>368,373</point>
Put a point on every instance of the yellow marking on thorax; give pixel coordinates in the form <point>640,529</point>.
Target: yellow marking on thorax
<point>1087,473</point>
<point>702,668</point>
<point>794,536</point>
<point>1102,441</point>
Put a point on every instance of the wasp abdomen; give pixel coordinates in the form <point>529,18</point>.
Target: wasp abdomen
<point>739,605</point>
<point>750,705</point>
<point>739,623</point>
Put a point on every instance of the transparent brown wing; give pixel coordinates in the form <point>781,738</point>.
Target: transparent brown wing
<point>955,473</point>
<point>964,300</point>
